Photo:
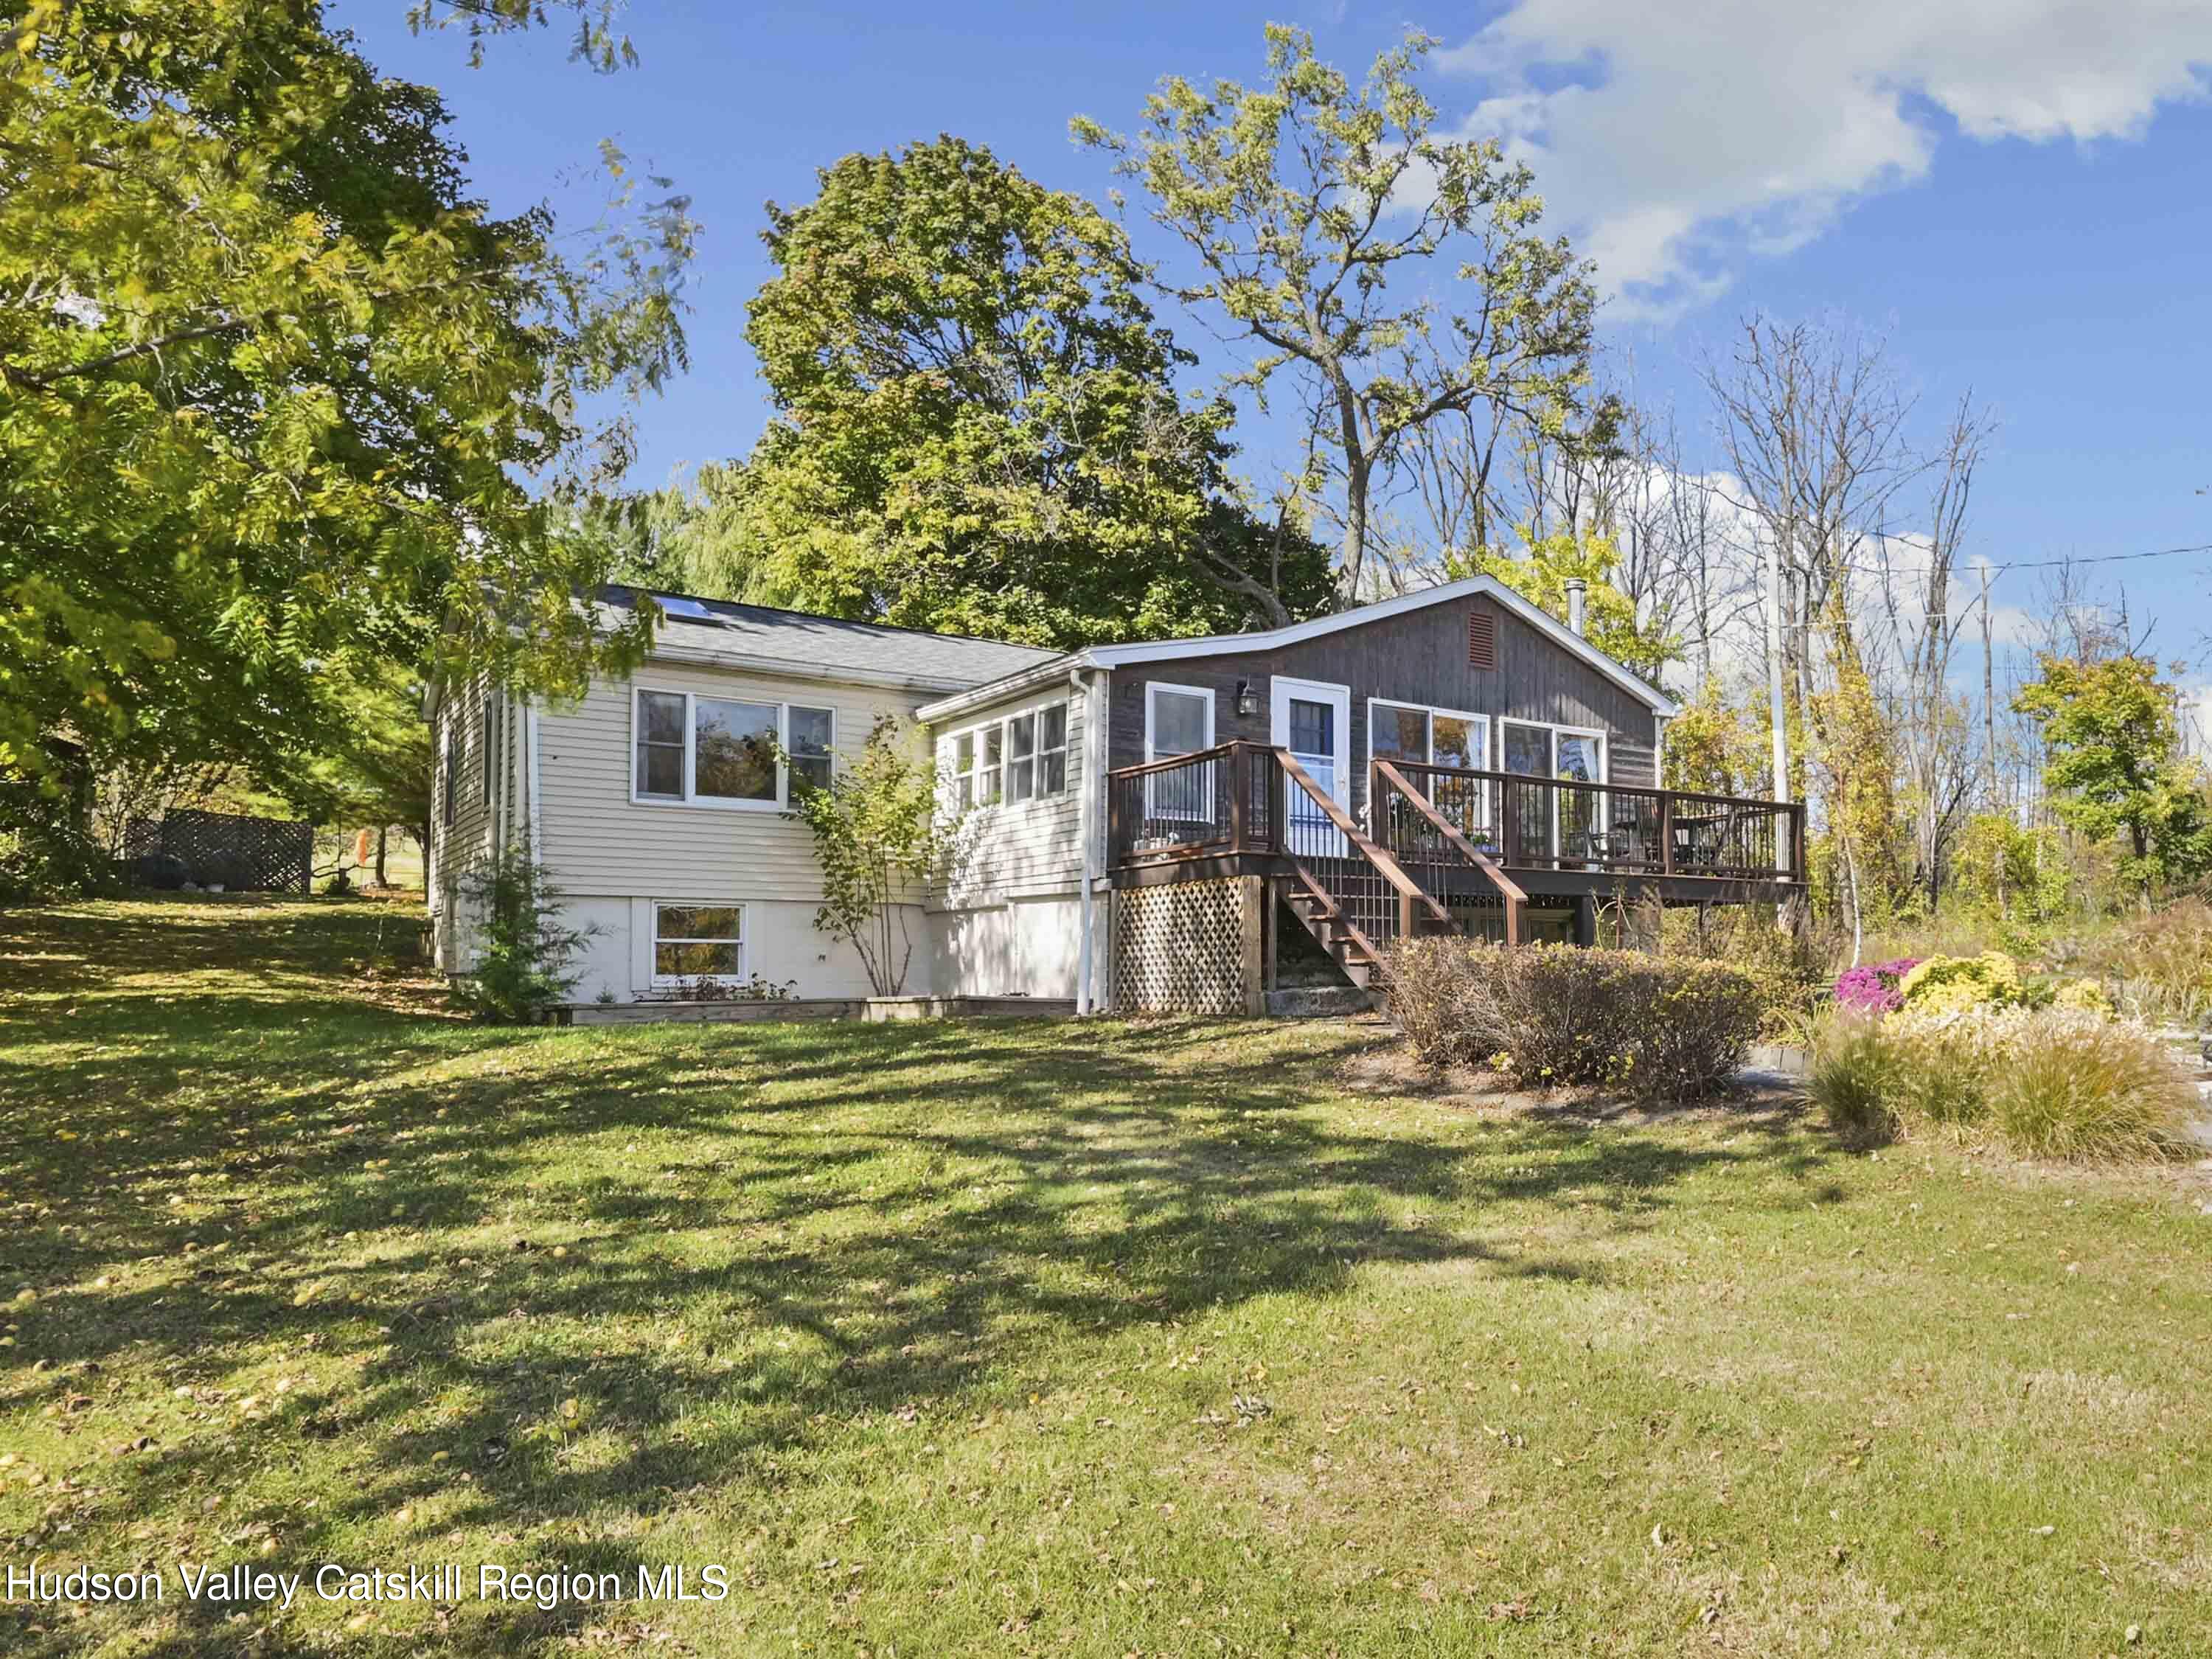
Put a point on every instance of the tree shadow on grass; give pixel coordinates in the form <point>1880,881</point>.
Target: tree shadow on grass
<point>850,1225</point>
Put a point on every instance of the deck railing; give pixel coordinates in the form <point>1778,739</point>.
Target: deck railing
<point>1219,800</point>
<point>1561,824</point>
<point>1231,799</point>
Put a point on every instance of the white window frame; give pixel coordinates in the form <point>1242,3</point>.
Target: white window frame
<point>690,797</point>
<point>949,756</point>
<point>1152,689</point>
<point>1153,808</point>
<point>743,941</point>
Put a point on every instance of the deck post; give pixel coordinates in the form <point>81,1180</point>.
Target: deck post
<point>1666,831</point>
<point>1253,891</point>
<point>1240,785</point>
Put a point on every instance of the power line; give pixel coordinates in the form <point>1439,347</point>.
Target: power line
<point>2103,558</point>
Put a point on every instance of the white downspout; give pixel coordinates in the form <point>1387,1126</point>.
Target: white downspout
<point>1094,782</point>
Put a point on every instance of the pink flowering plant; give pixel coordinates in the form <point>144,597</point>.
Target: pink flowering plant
<point>1876,988</point>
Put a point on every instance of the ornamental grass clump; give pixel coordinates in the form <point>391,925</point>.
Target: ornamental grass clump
<point>2070,1083</point>
<point>1853,1078</point>
<point>2086,1089</point>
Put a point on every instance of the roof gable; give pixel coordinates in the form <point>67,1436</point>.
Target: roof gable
<point>1215,645</point>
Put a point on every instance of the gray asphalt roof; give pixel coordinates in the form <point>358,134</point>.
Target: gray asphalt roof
<point>826,644</point>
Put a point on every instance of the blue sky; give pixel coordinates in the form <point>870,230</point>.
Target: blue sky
<point>2014,191</point>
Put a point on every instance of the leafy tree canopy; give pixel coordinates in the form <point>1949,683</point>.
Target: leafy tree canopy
<point>1396,276</point>
<point>2117,767</point>
<point>976,426</point>
<point>272,387</point>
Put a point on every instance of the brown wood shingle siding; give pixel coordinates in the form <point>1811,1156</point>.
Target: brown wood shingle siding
<point>1421,657</point>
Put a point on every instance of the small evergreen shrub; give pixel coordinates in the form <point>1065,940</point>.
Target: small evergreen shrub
<point>1553,1014</point>
<point>524,948</point>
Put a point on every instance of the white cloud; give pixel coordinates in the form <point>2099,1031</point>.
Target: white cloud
<point>1677,140</point>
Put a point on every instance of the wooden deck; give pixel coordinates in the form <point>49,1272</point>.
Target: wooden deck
<point>1242,808</point>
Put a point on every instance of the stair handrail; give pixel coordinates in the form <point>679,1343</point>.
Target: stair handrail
<point>1514,896</point>
<point>1391,871</point>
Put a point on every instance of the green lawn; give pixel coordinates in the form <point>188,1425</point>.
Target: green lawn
<point>1036,1337</point>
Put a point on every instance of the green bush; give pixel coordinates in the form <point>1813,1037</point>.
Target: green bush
<point>1786,969</point>
<point>2085,995</point>
<point>2054,1083</point>
<point>523,948</point>
<point>1550,1014</point>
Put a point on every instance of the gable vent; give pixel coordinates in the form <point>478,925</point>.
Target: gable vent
<point>1481,638</point>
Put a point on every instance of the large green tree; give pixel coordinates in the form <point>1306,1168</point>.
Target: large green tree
<point>280,406</point>
<point>1394,276</point>
<point>2116,768</point>
<point>976,426</point>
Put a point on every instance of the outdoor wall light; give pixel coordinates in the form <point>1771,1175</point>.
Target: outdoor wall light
<point>1248,700</point>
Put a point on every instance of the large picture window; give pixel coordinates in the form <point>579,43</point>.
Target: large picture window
<point>697,941</point>
<point>722,751</point>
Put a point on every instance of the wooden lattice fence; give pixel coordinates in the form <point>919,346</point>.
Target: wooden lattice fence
<point>238,851</point>
<point>1185,948</point>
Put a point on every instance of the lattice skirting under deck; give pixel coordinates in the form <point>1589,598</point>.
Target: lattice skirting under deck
<point>1185,948</point>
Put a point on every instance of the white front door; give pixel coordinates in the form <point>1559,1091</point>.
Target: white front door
<point>1312,719</point>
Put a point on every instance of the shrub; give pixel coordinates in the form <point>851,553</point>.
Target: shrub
<point>523,947</point>
<point>1785,966</point>
<point>2087,1089</point>
<point>1853,1078</point>
<point>1551,1014</point>
<point>1428,983</point>
<point>2047,1083</point>
<point>232,872</point>
<point>1949,985</point>
<point>1874,987</point>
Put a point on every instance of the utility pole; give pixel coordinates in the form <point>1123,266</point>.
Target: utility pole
<point>1989,697</point>
<point>1774,709</point>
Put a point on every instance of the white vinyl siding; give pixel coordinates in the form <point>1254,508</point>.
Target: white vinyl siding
<point>599,841</point>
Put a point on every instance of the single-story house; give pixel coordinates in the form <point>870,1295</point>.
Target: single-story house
<point>1144,820</point>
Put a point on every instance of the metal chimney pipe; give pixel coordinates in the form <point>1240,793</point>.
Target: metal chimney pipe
<point>1576,588</point>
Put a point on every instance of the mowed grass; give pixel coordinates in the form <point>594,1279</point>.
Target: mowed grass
<point>1036,1337</point>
